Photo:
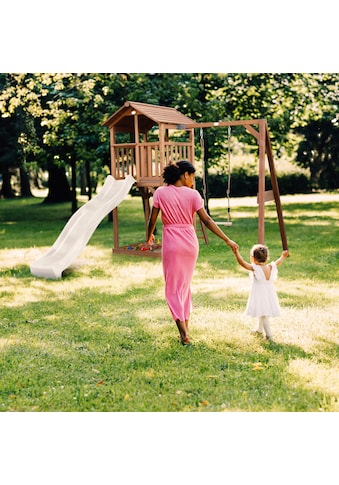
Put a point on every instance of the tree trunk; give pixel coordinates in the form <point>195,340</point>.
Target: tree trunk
<point>6,190</point>
<point>83,182</point>
<point>89,182</point>
<point>74,184</point>
<point>58,186</point>
<point>24,184</point>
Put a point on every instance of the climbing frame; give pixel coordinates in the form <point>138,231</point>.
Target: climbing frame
<point>144,138</point>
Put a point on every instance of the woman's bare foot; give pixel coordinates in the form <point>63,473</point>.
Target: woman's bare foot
<point>185,341</point>
<point>184,338</point>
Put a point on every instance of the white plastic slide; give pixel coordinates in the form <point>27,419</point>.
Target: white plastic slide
<point>80,227</point>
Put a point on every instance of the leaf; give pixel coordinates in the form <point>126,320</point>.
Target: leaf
<point>257,366</point>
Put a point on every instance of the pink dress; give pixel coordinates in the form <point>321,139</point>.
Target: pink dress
<point>180,246</point>
<point>263,300</point>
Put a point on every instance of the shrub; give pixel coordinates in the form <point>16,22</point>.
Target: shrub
<point>246,184</point>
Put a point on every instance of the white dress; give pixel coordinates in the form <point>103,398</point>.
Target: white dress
<point>263,300</point>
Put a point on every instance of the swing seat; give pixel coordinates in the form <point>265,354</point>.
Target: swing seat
<point>225,223</point>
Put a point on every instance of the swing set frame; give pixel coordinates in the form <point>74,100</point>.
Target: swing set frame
<point>259,129</point>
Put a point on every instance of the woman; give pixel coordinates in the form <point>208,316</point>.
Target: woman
<point>178,203</point>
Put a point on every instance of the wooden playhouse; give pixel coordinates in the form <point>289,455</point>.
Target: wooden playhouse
<point>144,138</point>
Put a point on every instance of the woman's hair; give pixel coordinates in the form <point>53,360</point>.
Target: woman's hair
<point>173,171</point>
<point>260,253</point>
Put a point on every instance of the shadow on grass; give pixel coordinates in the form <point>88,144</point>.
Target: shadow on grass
<point>101,351</point>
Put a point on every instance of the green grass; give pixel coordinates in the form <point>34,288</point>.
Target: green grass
<point>102,339</point>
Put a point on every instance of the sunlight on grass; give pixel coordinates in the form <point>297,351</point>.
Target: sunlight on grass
<point>310,222</point>
<point>102,338</point>
<point>7,342</point>
<point>13,257</point>
<point>319,377</point>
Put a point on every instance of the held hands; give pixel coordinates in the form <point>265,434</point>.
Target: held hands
<point>285,253</point>
<point>235,248</point>
<point>233,245</point>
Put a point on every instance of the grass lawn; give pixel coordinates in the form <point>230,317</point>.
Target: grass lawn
<point>102,339</point>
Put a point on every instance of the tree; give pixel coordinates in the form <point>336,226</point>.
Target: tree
<point>319,152</point>
<point>8,152</point>
<point>55,120</point>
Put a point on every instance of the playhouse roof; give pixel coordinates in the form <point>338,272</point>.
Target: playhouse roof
<point>149,115</point>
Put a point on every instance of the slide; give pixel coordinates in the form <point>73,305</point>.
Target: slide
<point>80,227</point>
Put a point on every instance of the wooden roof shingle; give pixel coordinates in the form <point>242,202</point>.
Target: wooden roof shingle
<point>149,115</point>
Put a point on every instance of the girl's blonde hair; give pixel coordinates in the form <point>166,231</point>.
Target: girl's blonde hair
<point>260,253</point>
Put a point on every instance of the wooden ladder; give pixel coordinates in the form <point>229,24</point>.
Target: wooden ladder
<point>200,229</point>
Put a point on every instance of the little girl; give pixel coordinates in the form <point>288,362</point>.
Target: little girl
<point>263,301</point>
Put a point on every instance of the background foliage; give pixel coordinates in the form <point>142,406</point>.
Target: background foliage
<point>53,122</point>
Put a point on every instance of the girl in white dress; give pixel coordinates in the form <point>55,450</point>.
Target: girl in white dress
<point>262,301</point>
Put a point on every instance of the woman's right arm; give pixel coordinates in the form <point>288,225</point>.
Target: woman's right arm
<point>213,227</point>
<point>151,225</point>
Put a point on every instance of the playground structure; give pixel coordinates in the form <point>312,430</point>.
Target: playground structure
<point>157,136</point>
<point>160,135</point>
<point>79,228</point>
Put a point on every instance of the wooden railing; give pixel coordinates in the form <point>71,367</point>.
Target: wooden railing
<point>145,162</point>
<point>175,151</point>
<point>123,160</point>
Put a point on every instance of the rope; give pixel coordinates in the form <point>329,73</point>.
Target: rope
<point>204,187</point>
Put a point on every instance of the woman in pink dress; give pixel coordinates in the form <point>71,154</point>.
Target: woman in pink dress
<point>178,203</point>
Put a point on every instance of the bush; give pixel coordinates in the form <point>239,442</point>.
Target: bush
<point>246,184</point>
<point>294,183</point>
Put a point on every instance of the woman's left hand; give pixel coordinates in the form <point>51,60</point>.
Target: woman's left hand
<point>150,241</point>
<point>232,244</point>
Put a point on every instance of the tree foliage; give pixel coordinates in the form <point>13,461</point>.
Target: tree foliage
<point>319,152</point>
<point>54,120</point>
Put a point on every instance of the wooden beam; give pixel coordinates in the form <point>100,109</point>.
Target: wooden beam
<point>163,161</point>
<point>253,132</point>
<point>112,150</point>
<point>191,146</point>
<point>115,227</point>
<point>261,183</point>
<point>275,189</point>
<point>137,150</point>
<point>268,196</point>
<point>216,124</point>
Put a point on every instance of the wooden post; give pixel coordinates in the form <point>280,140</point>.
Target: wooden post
<point>191,147</point>
<point>113,161</point>
<point>137,147</point>
<point>261,183</point>
<point>275,189</point>
<point>115,228</point>
<point>163,161</point>
<point>145,195</point>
